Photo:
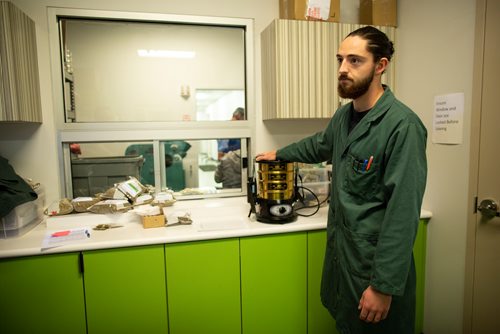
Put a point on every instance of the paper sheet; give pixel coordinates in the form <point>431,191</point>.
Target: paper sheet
<point>448,119</point>
<point>65,237</point>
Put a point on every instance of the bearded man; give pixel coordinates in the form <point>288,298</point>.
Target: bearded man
<point>377,148</point>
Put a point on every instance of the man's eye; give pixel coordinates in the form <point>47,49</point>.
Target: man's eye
<point>355,61</point>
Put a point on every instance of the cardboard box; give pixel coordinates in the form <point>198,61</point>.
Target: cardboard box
<point>296,10</point>
<point>378,12</point>
<point>153,221</point>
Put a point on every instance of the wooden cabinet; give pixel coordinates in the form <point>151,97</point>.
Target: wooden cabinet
<point>203,280</point>
<point>299,68</point>
<point>19,79</point>
<point>274,284</point>
<point>125,290</point>
<point>42,294</point>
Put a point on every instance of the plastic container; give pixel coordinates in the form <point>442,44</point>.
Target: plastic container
<point>23,217</point>
<point>313,175</point>
<point>95,175</point>
<point>320,189</point>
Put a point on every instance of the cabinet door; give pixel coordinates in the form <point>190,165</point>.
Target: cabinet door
<point>299,69</point>
<point>42,294</point>
<point>125,290</point>
<point>19,82</point>
<point>203,280</point>
<point>319,320</point>
<point>274,284</point>
<point>419,253</point>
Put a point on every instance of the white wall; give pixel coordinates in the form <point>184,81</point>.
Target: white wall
<point>435,42</point>
<point>434,56</point>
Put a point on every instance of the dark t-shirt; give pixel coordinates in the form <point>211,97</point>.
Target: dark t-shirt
<point>355,117</point>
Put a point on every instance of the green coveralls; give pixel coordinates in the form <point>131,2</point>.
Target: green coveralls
<point>374,211</point>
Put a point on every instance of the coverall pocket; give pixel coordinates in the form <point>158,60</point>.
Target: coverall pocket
<point>359,253</point>
<point>361,177</point>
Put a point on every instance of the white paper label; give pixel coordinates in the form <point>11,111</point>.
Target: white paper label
<point>448,119</point>
<point>318,9</point>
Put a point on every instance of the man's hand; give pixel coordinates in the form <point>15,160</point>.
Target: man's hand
<point>374,305</point>
<point>268,156</point>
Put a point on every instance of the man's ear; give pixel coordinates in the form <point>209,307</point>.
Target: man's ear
<point>382,65</point>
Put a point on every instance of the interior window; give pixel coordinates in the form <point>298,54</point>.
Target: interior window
<point>167,99</point>
<point>188,167</point>
<point>130,71</point>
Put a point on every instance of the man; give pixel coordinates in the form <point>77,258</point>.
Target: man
<point>377,148</point>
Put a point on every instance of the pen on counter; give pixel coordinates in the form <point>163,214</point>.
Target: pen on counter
<point>369,163</point>
<point>60,234</point>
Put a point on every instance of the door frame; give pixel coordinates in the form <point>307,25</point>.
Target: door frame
<point>477,87</point>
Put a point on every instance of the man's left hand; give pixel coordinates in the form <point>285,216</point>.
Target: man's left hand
<point>374,305</point>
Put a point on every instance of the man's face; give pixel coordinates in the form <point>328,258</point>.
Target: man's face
<point>356,68</point>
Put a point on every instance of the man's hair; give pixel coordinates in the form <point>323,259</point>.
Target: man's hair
<point>378,43</point>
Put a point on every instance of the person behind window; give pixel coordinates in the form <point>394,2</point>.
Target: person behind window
<point>227,145</point>
<point>229,170</point>
<point>377,147</point>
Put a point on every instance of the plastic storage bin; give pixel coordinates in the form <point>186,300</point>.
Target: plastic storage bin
<point>308,175</point>
<point>23,217</point>
<point>95,175</point>
<point>320,189</point>
<point>317,180</point>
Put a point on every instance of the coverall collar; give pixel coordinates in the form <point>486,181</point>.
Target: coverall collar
<point>379,109</point>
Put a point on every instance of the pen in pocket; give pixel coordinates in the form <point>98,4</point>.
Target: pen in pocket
<point>369,164</point>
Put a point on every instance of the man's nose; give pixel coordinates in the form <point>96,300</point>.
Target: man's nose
<point>342,66</point>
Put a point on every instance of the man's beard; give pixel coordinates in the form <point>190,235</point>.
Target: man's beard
<point>356,89</point>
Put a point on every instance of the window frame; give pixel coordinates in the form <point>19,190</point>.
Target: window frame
<point>93,132</point>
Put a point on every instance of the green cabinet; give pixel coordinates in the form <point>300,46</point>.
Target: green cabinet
<point>250,285</point>
<point>203,284</point>
<point>419,254</point>
<point>319,320</point>
<point>42,294</point>
<point>274,284</point>
<point>125,290</point>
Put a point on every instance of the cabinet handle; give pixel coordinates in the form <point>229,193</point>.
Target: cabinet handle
<point>81,264</point>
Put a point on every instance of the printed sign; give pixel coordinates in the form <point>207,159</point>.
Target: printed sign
<point>448,119</point>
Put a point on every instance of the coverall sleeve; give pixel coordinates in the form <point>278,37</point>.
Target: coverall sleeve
<point>313,149</point>
<point>404,183</point>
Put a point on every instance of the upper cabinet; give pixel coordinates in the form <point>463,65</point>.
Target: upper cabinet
<point>299,68</point>
<point>19,79</point>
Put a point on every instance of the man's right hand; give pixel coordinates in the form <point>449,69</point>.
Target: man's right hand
<point>269,156</point>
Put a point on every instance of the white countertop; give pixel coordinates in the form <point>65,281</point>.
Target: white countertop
<point>212,219</point>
